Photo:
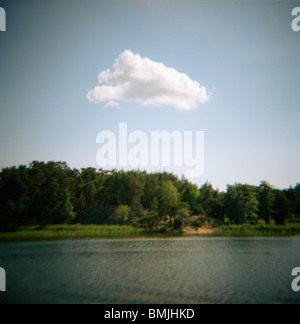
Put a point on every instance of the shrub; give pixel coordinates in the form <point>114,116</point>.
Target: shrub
<point>178,224</point>
<point>122,215</point>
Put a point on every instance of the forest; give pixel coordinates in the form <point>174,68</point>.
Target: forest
<point>52,193</point>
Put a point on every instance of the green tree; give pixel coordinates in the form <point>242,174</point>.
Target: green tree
<point>242,204</point>
<point>212,202</point>
<point>137,209</point>
<point>63,212</point>
<point>150,190</point>
<point>122,215</point>
<point>217,209</point>
<point>282,208</point>
<point>152,218</point>
<point>266,201</point>
<point>178,224</point>
<point>183,212</point>
<point>49,193</point>
<point>207,195</point>
<point>191,196</point>
<point>293,196</point>
<point>297,205</point>
<point>168,199</point>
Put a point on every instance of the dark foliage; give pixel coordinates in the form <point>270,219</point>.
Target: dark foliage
<point>52,193</point>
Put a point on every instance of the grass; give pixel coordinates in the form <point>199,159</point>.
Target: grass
<point>57,232</point>
<point>260,229</point>
<point>64,232</point>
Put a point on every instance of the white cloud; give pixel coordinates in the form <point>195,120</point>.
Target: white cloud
<point>148,83</point>
<point>112,104</point>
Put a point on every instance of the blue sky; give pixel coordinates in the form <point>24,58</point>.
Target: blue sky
<point>246,51</point>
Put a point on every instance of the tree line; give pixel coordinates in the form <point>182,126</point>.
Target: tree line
<point>52,193</point>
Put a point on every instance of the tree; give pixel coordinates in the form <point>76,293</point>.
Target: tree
<point>178,224</point>
<point>137,209</point>
<point>51,193</point>
<point>211,202</point>
<point>183,211</point>
<point>122,215</point>
<point>152,218</point>
<point>150,190</point>
<point>266,201</point>
<point>241,204</point>
<point>282,208</point>
<point>207,194</point>
<point>63,212</point>
<point>297,205</point>
<point>293,196</point>
<point>13,197</point>
<point>168,199</point>
<point>217,209</point>
<point>191,196</point>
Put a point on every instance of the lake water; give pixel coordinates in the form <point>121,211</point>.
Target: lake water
<point>187,270</point>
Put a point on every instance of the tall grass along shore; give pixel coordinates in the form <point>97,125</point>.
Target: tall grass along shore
<point>65,232</point>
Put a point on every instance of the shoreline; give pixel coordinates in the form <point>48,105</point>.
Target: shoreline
<point>74,232</point>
